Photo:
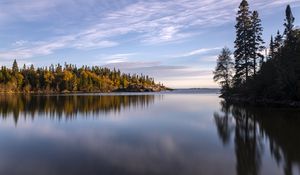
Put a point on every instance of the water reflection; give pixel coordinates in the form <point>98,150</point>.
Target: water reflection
<point>170,138</point>
<point>145,134</point>
<point>280,127</point>
<point>68,106</point>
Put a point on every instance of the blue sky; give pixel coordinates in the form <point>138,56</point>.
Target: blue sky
<point>175,41</point>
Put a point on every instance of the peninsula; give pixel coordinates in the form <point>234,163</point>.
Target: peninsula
<point>70,78</point>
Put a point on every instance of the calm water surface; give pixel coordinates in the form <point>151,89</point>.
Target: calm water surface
<point>165,134</point>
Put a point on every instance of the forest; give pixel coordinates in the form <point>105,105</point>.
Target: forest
<point>69,78</point>
<point>258,72</point>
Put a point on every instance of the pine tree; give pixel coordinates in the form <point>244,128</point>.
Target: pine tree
<point>289,21</point>
<point>242,43</point>
<point>223,70</point>
<point>271,47</point>
<point>277,42</point>
<point>257,43</point>
<point>15,67</point>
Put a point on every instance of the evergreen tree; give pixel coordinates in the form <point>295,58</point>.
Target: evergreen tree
<point>15,67</point>
<point>223,70</point>
<point>289,21</point>
<point>257,43</point>
<point>279,76</point>
<point>271,47</point>
<point>242,51</point>
<point>278,42</point>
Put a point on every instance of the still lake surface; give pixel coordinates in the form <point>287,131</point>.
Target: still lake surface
<point>183,132</point>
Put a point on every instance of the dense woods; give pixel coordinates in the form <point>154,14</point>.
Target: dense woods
<point>260,72</point>
<point>69,78</point>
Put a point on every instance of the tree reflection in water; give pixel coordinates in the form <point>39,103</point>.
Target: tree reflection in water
<point>279,126</point>
<point>68,106</point>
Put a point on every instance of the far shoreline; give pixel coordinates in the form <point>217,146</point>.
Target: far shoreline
<point>119,91</point>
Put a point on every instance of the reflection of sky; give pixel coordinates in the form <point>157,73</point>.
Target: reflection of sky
<point>175,135</point>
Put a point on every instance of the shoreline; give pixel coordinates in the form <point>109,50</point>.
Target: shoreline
<point>261,102</point>
<point>130,88</point>
<point>75,92</point>
<point>88,92</point>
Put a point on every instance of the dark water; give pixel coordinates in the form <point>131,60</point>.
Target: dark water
<point>165,134</point>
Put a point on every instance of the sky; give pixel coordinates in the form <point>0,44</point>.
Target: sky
<point>174,41</point>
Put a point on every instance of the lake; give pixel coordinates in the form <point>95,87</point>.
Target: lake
<point>181,132</point>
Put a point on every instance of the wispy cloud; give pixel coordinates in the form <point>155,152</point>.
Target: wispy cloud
<point>200,51</point>
<point>38,10</point>
<point>93,44</point>
<point>148,21</point>
<point>19,43</point>
<point>115,58</point>
<point>26,49</point>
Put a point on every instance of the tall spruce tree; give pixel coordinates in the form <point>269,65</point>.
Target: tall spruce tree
<point>223,70</point>
<point>242,51</point>
<point>271,48</point>
<point>257,42</point>
<point>289,21</point>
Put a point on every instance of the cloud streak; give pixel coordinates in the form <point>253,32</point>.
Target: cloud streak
<point>26,49</point>
<point>200,51</point>
<point>151,22</point>
<point>116,58</point>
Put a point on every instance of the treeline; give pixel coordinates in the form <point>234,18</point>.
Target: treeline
<point>260,72</point>
<point>68,78</point>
